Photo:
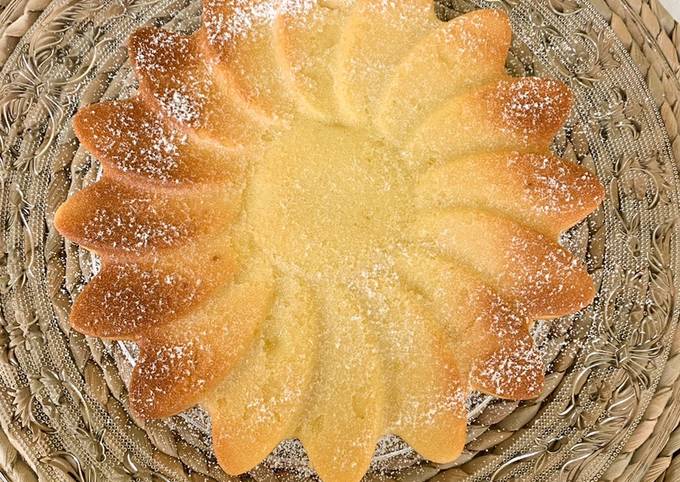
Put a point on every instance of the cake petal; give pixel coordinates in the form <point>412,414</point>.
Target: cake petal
<point>428,394</point>
<point>174,76</point>
<point>514,371</point>
<point>345,416</point>
<point>260,403</point>
<point>459,300</point>
<point>305,43</point>
<point>239,40</point>
<point>373,39</point>
<point>541,191</point>
<point>511,114</point>
<point>136,146</point>
<point>125,299</point>
<point>180,363</point>
<point>117,220</point>
<point>467,51</point>
<point>490,341</point>
<point>525,267</point>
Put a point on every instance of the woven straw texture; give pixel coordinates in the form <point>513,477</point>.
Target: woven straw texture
<point>652,453</point>
<point>652,37</point>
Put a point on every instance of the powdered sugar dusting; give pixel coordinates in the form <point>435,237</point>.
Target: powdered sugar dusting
<point>174,74</point>
<point>231,19</point>
<point>554,186</point>
<point>128,297</point>
<point>135,223</point>
<point>529,106</point>
<point>139,143</point>
<point>546,276</point>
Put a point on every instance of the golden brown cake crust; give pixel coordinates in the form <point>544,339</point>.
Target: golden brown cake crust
<point>179,365</point>
<point>540,191</point>
<point>137,145</point>
<point>329,221</point>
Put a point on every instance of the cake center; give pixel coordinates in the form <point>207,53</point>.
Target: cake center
<point>326,199</point>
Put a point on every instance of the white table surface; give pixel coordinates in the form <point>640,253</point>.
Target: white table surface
<point>673,7</point>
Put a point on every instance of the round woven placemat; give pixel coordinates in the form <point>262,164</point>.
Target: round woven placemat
<point>652,453</point>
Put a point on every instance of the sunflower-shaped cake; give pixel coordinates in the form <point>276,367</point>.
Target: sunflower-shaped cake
<point>329,220</point>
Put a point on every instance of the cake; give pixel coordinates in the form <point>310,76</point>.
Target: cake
<point>329,220</point>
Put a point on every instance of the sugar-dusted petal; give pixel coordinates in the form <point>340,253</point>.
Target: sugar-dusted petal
<point>175,77</point>
<point>305,46</point>
<point>127,298</point>
<point>524,266</point>
<point>514,370</point>
<point>136,145</point>
<point>468,51</point>
<point>345,416</point>
<point>182,362</point>
<point>514,113</point>
<point>541,191</point>
<point>459,300</point>
<point>374,38</point>
<point>260,402</point>
<point>113,219</point>
<point>427,394</point>
<point>487,337</point>
<point>240,40</point>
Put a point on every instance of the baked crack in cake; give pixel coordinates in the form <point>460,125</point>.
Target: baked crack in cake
<point>329,220</point>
